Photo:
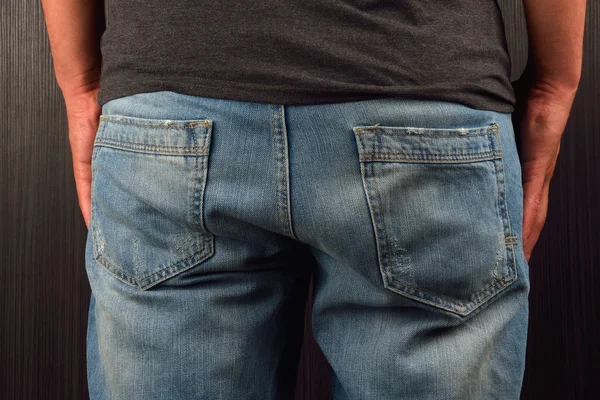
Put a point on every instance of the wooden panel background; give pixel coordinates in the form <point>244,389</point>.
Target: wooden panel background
<point>44,292</point>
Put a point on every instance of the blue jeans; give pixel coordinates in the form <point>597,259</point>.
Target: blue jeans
<point>210,217</point>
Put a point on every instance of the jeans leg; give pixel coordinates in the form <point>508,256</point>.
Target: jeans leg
<point>413,210</point>
<point>198,287</point>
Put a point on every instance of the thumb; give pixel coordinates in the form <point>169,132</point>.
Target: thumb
<point>83,182</point>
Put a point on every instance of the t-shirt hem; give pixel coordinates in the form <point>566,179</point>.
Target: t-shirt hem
<point>110,89</point>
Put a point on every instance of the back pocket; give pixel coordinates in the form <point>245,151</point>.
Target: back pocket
<point>437,203</point>
<point>148,180</point>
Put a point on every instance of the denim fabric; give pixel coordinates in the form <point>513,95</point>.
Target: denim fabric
<point>210,216</point>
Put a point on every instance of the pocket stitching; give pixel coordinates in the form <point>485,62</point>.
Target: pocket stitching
<point>438,299</point>
<point>505,214</point>
<point>153,149</point>
<point>483,156</point>
<point>458,307</point>
<point>418,131</point>
<point>119,273</point>
<point>198,191</point>
<point>380,237</point>
<point>152,122</point>
<point>496,286</point>
<point>204,242</point>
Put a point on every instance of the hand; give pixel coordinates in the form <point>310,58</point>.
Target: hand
<point>544,119</point>
<point>83,116</point>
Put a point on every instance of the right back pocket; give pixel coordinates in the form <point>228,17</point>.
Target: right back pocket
<point>437,203</point>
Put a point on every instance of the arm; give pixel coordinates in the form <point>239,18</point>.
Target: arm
<point>74,29</point>
<point>555,30</point>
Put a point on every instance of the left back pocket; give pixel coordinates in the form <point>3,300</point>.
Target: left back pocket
<point>148,181</point>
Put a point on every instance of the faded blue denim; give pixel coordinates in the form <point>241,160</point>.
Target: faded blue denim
<point>209,217</point>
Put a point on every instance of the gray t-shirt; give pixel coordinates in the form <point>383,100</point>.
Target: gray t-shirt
<point>309,51</point>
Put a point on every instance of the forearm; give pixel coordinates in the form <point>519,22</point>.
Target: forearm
<point>74,28</point>
<point>555,31</point>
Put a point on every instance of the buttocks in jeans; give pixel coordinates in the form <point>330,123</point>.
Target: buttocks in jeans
<point>210,217</point>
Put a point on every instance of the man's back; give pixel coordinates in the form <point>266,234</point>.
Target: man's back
<point>309,52</point>
<point>216,184</point>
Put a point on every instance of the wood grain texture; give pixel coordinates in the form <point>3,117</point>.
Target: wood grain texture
<point>44,291</point>
<point>44,294</point>
<point>563,348</point>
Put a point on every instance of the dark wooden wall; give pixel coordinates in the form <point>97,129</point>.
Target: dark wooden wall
<point>44,292</point>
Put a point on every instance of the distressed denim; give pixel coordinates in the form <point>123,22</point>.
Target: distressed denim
<point>211,216</point>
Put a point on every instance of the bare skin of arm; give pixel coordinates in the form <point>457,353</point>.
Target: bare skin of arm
<point>555,38</point>
<point>74,30</point>
<point>555,32</point>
